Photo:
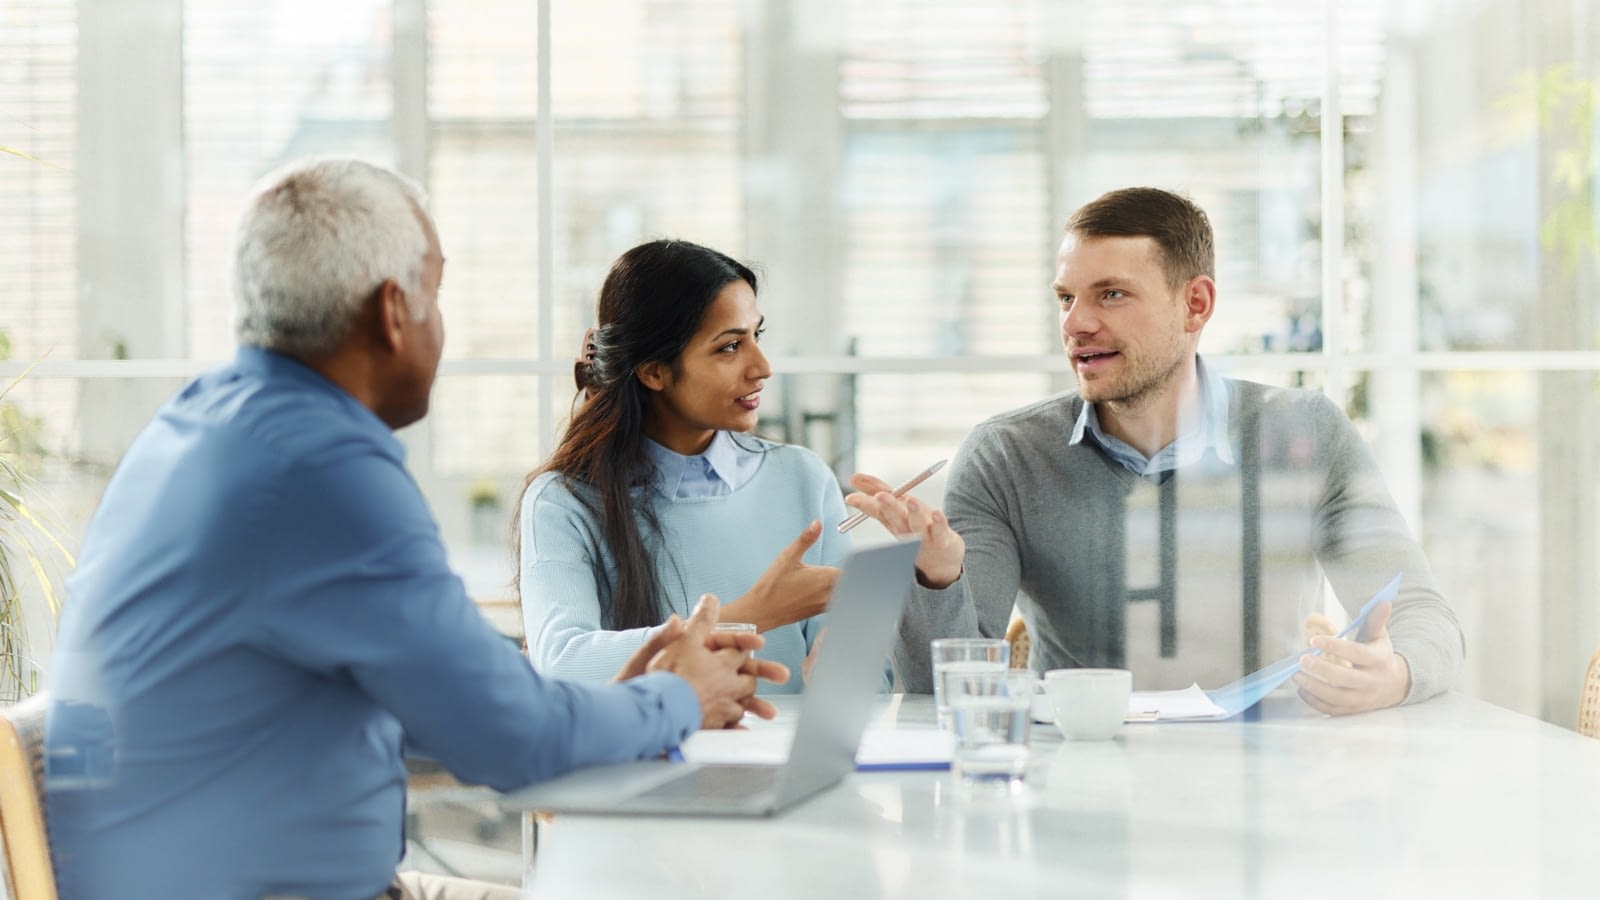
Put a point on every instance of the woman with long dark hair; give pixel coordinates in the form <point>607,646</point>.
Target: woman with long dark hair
<point>655,495</point>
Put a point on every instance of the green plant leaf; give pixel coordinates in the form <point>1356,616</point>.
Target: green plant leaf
<point>18,380</point>
<point>28,546</point>
<point>48,532</point>
<point>31,158</point>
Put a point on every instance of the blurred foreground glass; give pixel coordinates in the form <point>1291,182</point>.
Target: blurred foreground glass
<point>991,715</point>
<point>736,628</point>
<point>960,655</point>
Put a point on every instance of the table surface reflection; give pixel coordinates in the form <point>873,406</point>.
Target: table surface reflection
<point>1453,797</point>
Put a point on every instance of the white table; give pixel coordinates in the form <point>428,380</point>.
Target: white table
<point>1450,798</point>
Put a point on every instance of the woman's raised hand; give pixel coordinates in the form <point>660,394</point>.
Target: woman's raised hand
<point>789,590</point>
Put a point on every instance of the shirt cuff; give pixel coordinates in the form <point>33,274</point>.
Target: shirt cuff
<point>678,700</point>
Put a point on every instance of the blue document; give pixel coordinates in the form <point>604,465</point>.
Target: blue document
<point>1247,692</point>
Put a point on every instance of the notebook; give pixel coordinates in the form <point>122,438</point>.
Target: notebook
<point>862,615</point>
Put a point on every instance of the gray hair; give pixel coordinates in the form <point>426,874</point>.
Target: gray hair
<point>315,242</point>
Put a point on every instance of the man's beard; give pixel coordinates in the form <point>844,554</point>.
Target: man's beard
<point>1139,385</point>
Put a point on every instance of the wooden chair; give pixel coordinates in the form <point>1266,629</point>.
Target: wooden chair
<point>1589,704</point>
<point>1021,644</point>
<point>28,870</point>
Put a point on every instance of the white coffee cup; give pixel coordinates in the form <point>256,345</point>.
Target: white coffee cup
<point>1089,704</point>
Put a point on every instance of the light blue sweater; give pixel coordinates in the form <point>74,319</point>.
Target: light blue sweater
<point>719,545</point>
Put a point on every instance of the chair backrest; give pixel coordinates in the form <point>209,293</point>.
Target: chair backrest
<point>28,870</point>
<point>1589,705</point>
<point>1021,644</point>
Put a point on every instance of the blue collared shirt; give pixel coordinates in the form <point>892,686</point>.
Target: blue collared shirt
<point>723,468</point>
<point>1210,433</point>
<point>261,611</point>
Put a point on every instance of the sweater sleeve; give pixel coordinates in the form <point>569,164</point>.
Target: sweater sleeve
<point>979,603</point>
<point>561,611</point>
<point>1363,541</point>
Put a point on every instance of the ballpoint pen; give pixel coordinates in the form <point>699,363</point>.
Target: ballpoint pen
<point>900,491</point>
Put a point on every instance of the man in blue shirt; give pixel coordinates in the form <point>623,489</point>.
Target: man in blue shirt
<point>263,612</point>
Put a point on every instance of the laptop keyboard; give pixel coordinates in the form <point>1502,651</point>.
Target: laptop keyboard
<point>717,783</point>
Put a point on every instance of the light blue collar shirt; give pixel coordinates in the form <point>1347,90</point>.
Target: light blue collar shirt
<point>1210,433</point>
<point>724,467</point>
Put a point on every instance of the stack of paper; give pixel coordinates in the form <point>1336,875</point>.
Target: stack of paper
<point>1171,706</point>
<point>1190,704</point>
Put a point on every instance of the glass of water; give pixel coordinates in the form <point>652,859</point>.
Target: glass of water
<point>991,713</point>
<point>959,655</point>
<point>736,627</point>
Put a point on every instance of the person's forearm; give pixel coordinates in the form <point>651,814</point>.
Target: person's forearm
<point>931,614</point>
<point>586,655</point>
<point>1432,655</point>
<point>598,724</point>
<point>940,579</point>
<point>1364,541</point>
<point>754,609</point>
<point>466,697</point>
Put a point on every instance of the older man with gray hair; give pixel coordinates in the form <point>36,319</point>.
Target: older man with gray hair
<point>263,614</point>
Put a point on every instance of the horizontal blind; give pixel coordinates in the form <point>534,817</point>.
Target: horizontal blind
<point>482,108</point>
<point>38,217</point>
<point>264,84</point>
<point>946,206</point>
<point>646,102</point>
<point>1229,59</point>
<point>942,59</point>
<point>482,60</point>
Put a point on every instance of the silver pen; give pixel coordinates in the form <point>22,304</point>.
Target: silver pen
<point>900,491</point>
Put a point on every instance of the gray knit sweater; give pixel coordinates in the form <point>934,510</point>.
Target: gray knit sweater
<point>1075,541</point>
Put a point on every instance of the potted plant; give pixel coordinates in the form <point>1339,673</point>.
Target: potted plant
<point>483,497</point>
<point>32,557</point>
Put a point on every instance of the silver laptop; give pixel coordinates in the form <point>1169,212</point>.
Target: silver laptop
<point>862,615</point>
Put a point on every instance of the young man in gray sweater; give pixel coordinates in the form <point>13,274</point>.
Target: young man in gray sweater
<point>1164,518</point>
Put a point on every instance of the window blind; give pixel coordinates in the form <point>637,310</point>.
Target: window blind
<point>947,208</point>
<point>646,102</point>
<point>38,218</point>
<point>264,84</point>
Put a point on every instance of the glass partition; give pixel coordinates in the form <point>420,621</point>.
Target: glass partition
<point>1403,196</point>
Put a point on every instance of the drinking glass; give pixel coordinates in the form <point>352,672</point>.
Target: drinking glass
<point>736,627</point>
<point>991,713</point>
<point>953,655</point>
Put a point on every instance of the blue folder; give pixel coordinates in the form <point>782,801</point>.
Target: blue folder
<point>1239,696</point>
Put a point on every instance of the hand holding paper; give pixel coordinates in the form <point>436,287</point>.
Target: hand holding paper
<point>1233,699</point>
<point>1377,677</point>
